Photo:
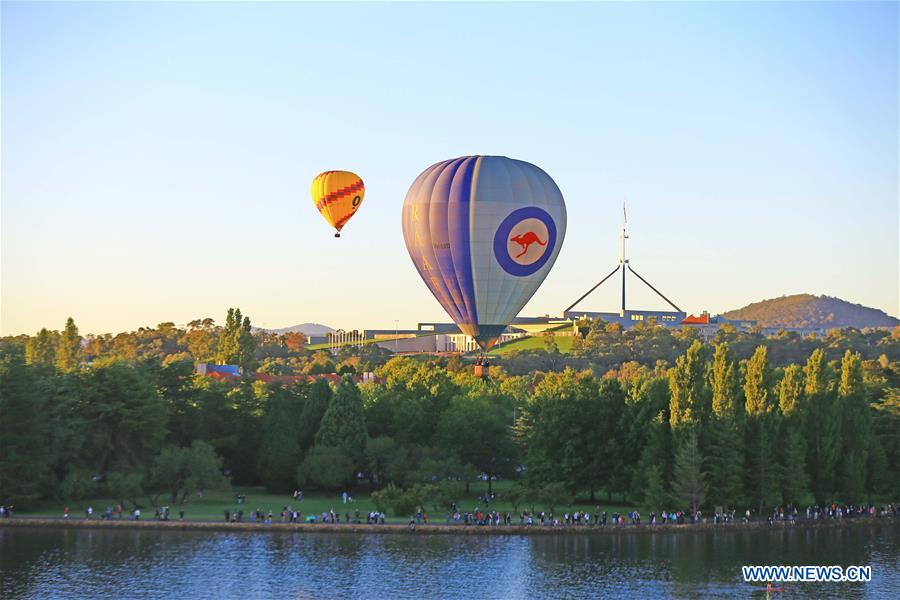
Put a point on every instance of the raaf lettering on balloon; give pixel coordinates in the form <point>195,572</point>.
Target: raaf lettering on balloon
<point>524,241</point>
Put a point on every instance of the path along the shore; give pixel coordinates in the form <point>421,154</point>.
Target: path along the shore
<point>175,525</point>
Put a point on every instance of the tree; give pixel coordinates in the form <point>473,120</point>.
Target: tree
<point>792,464</point>
<point>68,353</point>
<point>855,430</point>
<point>280,452</point>
<point>725,444</point>
<point>236,343</point>
<point>326,467</point>
<point>125,486</point>
<point>41,349</point>
<point>343,425</point>
<point>317,400</point>
<point>758,405</point>
<point>24,455</point>
<point>476,428</point>
<point>201,340</point>
<point>724,385</point>
<point>823,427</point>
<point>565,429</point>
<point>124,418</point>
<point>688,482</point>
<point>689,401</point>
<point>654,493</point>
<point>550,341</point>
<point>182,471</point>
<point>387,461</point>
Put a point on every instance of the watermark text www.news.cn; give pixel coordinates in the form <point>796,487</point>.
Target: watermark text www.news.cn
<point>803,573</point>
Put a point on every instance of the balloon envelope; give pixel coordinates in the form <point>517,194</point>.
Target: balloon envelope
<point>337,195</point>
<point>483,232</point>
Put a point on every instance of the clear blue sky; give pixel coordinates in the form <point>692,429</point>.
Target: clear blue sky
<point>156,158</point>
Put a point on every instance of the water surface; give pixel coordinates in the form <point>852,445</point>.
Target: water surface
<point>82,563</point>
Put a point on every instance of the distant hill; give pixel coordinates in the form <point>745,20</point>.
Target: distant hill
<point>307,329</point>
<point>806,310</point>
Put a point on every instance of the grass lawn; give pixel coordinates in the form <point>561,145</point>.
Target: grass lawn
<point>213,504</point>
<point>533,342</point>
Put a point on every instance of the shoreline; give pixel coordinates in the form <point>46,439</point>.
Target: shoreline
<point>395,529</point>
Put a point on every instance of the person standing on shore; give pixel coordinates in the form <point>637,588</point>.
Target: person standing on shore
<point>66,512</point>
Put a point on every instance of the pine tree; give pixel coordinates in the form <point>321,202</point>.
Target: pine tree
<point>655,466</point>
<point>344,424</point>
<point>68,353</point>
<point>855,430</point>
<point>688,480</point>
<point>654,493</point>
<point>823,427</point>
<point>758,406</point>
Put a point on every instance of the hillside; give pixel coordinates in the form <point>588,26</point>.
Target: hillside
<point>806,310</point>
<point>307,329</point>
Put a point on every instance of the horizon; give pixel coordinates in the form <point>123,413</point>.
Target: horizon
<point>156,159</point>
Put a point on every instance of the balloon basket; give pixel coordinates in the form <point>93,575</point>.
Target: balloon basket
<point>337,235</point>
<point>482,367</point>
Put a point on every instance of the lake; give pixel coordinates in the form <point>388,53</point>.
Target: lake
<point>102,563</point>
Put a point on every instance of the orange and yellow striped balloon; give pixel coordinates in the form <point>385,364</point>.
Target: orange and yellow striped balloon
<point>337,195</point>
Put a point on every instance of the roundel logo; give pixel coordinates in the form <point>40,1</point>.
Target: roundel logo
<point>525,240</point>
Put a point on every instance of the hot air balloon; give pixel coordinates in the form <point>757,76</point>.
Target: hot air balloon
<point>483,232</point>
<point>337,195</point>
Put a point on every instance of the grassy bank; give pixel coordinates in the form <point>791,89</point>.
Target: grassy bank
<point>212,506</point>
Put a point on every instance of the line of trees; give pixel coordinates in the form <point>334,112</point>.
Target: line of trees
<point>128,417</point>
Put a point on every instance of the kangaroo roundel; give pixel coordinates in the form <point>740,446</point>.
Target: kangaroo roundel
<point>525,241</point>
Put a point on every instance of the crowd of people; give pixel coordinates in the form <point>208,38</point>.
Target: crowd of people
<point>494,518</point>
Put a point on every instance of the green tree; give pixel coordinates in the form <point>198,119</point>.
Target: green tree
<point>654,493</point>
<point>688,481</point>
<point>792,457</point>
<point>326,467</point>
<point>476,428</point>
<point>689,404</point>
<point>236,343</point>
<point>823,427</point>
<point>25,459</point>
<point>343,425</point>
<point>725,444</point>
<point>317,400</point>
<point>68,353</point>
<point>387,461</point>
<point>280,452</point>
<point>123,416</point>
<point>855,430</point>
<point>758,405</point>
<point>41,349</point>
<point>564,427</point>
<point>183,471</point>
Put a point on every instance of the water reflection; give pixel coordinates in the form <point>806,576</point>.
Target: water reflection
<point>41,563</point>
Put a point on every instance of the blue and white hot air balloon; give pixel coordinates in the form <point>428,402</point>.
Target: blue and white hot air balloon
<point>483,232</point>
